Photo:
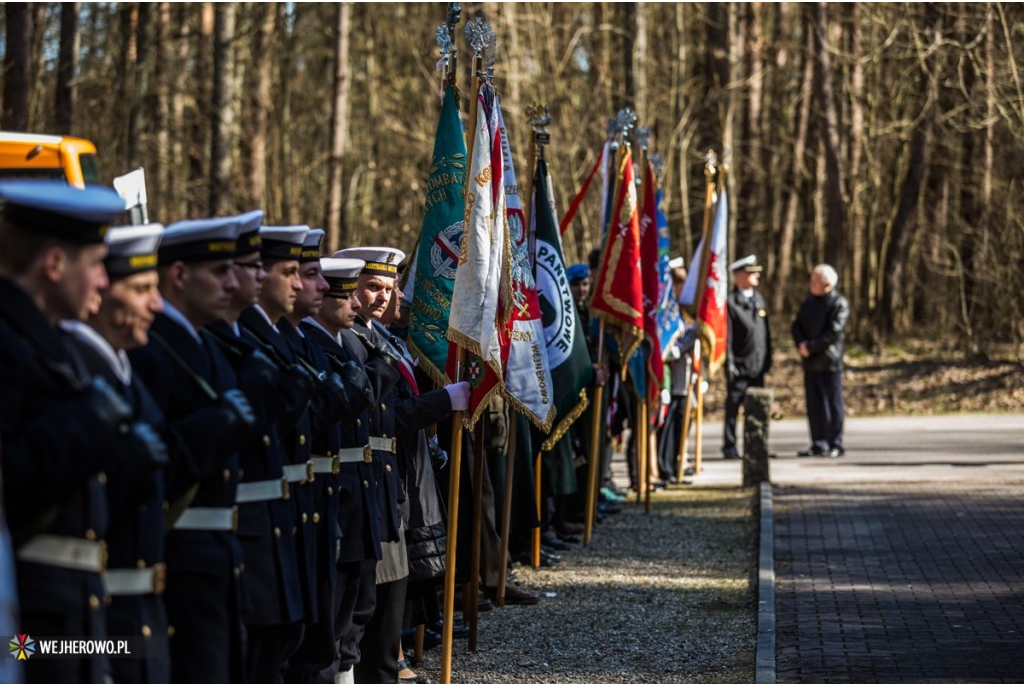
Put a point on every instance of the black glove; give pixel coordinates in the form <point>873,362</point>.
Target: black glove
<point>383,350</point>
<point>336,387</point>
<point>151,441</point>
<point>356,379</point>
<point>263,366</point>
<point>304,380</point>
<point>237,408</point>
<point>107,403</point>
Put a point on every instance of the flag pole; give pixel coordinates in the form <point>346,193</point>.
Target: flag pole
<point>471,595</point>
<point>711,160</point>
<point>456,456</point>
<point>644,424</point>
<point>597,420</point>
<point>684,430</point>
<point>506,505</point>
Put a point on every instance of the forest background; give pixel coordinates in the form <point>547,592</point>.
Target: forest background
<point>885,139</point>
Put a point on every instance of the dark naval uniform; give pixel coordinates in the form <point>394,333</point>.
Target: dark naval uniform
<point>188,377</point>
<point>298,444</point>
<point>62,431</point>
<point>748,357</point>
<point>136,573</point>
<point>358,516</point>
<point>54,485</point>
<point>265,517</point>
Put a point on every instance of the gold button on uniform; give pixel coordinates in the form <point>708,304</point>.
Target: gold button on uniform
<point>94,602</point>
<point>359,422</point>
<point>227,475</point>
<point>238,572</point>
<point>302,439</point>
<point>266,440</point>
<point>277,532</point>
<point>147,632</point>
<point>316,518</point>
<point>305,518</point>
<point>365,484</point>
<point>330,490</point>
<point>141,563</point>
<point>383,407</point>
<point>170,631</point>
<point>295,529</point>
<point>90,534</point>
<point>101,478</point>
<point>387,467</point>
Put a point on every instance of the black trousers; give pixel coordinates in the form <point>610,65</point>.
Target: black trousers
<point>378,649</point>
<point>668,437</point>
<point>736,390</point>
<point>825,410</point>
<point>355,602</point>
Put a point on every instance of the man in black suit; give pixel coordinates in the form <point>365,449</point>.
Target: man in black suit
<point>62,429</point>
<point>749,347</point>
<point>196,389</point>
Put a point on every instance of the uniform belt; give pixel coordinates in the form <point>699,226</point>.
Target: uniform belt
<point>385,444</point>
<point>356,455</point>
<point>136,581</point>
<point>262,490</point>
<point>65,552</point>
<point>300,473</point>
<point>208,518</point>
<point>326,465</point>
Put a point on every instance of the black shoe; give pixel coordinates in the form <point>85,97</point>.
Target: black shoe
<point>835,452</point>
<point>810,452</point>
<point>551,540</point>
<point>607,508</point>
<point>730,455</point>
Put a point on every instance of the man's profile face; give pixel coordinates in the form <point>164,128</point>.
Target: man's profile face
<point>77,292</point>
<point>374,292</point>
<point>208,289</point>
<point>314,285</point>
<point>127,310</point>
<point>281,288</point>
<point>748,279</point>
<point>250,274</point>
<point>340,311</point>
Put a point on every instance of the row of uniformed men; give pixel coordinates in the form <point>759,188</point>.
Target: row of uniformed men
<point>204,432</point>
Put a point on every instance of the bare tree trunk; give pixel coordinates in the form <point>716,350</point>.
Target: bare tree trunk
<point>17,70</point>
<point>339,131</point>
<point>834,196</point>
<point>177,187</point>
<point>126,97</point>
<point>858,247</point>
<point>285,107</point>
<point>161,200</point>
<point>638,65</point>
<point>67,60</point>
<point>623,92</point>
<point>223,111</point>
<point>264,73</point>
<point>199,147</point>
<point>36,96</point>
<point>895,265</point>
<point>785,263</point>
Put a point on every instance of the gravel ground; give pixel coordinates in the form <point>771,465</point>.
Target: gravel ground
<point>665,597</point>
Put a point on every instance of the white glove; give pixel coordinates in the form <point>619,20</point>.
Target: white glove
<point>666,397</point>
<point>458,393</point>
<point>674,353</point>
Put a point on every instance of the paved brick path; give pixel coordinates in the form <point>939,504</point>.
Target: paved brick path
<point>900,583</point>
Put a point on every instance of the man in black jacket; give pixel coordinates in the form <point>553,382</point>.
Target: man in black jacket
<point>749,349</point>
<point>818,334</point>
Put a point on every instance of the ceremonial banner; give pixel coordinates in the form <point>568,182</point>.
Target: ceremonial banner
<point>618,289</point>
<point>564,335</point>
<point>437,256</point>
<point>711,314</point>
<point>527,373</point>
<point>670,322</point>
<point>477,320</point>
<point>651,283</point>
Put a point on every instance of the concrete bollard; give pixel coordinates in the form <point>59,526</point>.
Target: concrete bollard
<point>757,413</point>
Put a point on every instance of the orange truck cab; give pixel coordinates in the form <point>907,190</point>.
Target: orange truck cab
<point>34,155</point>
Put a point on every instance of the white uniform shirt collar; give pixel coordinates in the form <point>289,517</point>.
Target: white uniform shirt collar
<point>266,316</point>
<point>175,315</point>
<point>310,320</point>
<point>117,359</point>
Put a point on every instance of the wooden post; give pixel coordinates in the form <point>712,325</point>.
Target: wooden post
<point>456,457</point>
<point>472,593</point>
<point>594,467</point>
